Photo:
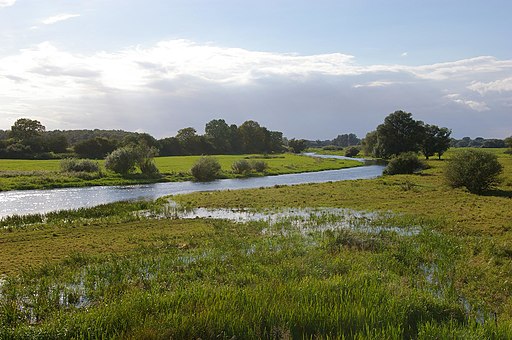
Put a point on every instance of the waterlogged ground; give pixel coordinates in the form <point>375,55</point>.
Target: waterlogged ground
<point>172,272</point>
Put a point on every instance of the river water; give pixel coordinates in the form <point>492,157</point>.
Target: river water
<point>24,202</point>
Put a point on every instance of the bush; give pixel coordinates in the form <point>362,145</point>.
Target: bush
<point>241,167</point>
<point>205,169</point>
<point>404,163</point>
<point>121,160</point>
<point>352,151</point>
<point>79,165</point>
<point>476,170</point>
<point>259,166</point>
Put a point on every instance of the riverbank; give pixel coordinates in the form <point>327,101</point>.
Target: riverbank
<point>45,174</point>
<point>395,257</point>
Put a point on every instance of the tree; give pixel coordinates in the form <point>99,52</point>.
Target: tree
<point>297,145</point>
<point>25,129</point>
<point>122,160</point>
<point>170,147</point>
<point>252,137</point>
<point>369,144</point>
<point>399,133</point>
<point>219,135</point>
<point>126,159</point>
<point>346,140</point>
<point>95,148</point>
<point>476,170</point>
<point>435,140</point>
<point>508,142</point>
<point>191,143</point>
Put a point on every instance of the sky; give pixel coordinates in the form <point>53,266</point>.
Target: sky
<point>311,69</point>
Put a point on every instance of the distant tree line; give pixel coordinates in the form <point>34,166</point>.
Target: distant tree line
<point>342,141</point>
<point>29,139</point>
<point>478,142</point>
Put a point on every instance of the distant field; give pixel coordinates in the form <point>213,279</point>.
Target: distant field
<point>41,174</point>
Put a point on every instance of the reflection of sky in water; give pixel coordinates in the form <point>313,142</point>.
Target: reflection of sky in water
<point>42,201</point>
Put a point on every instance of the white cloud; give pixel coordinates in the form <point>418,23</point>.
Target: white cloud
<point>58,18</point>
<point>7,3</point>
<point>501,85</point>
<point>405,54</point>
<point>179,83</point>
<point>472,104</point>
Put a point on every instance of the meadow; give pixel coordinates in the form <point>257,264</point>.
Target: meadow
<point>46,174</point>
<point>410,258</point>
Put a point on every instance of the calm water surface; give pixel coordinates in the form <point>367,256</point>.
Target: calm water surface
<point>43,201</point>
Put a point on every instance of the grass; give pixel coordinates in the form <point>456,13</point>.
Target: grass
<point>45,174</point>
<point>110,272</point>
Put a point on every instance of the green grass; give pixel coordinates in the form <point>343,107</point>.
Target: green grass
<point>112,272</point>
<point>44,174</point>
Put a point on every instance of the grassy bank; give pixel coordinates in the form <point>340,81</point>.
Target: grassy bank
<point>424,261</point>
<point>45,174</point>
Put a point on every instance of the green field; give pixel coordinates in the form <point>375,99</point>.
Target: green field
<point>45,174</point>
<point>421,261</point>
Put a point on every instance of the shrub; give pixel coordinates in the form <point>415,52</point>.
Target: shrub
<point>259,166</point>
<point>476,170</point>
<point>79,165</point>
<point>205,169</point>
<point>404,163</point>
<point>352,151</point>
<point>121,160</point>
<point>241,167</point>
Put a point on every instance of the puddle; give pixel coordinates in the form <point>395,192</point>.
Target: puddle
<point>303,219</point>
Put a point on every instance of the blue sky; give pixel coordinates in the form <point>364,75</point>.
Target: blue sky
<point>312,69</point>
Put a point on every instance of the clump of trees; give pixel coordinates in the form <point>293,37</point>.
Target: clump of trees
<point>400,133</point>
<point>206,169</point>
<point>297,145</point>
<point>475,170</point>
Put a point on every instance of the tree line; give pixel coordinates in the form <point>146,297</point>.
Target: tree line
<point>29,139</point>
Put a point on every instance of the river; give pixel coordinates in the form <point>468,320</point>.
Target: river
<point>24,202</point>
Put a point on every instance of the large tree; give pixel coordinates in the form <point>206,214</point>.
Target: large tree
<point>25,129</point>
<point>252,137</point>
<point>435,140</point>
<point>399,133</point>
<point>218,132</point>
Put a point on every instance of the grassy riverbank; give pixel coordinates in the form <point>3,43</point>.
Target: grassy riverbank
<point>432,263</point>
<point>45,174</point>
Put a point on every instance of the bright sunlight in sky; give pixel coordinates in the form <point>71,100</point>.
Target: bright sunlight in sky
<point>311,69</point>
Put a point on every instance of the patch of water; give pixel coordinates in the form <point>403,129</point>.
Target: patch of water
<point>302,219</point>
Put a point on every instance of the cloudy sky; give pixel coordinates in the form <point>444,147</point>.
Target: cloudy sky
<point>312,69</point>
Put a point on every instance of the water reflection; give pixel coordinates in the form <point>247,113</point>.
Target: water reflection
<point>43,201</point>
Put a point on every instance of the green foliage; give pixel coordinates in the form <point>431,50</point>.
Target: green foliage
<point>352,151</point>
<point>95,148</point>
<point>79,165</point>
<point>24,129</point>
<point>259,166</point>
<point>435,140</point>
<point>508,142</point>
<point>242,167</point>
<point>476,170</point>
<point>297,145</point>
<point>399,133</point>
<point>404,163</point>
<point>206,169</point>
<point>121,161</point>
<point>125,160</point>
